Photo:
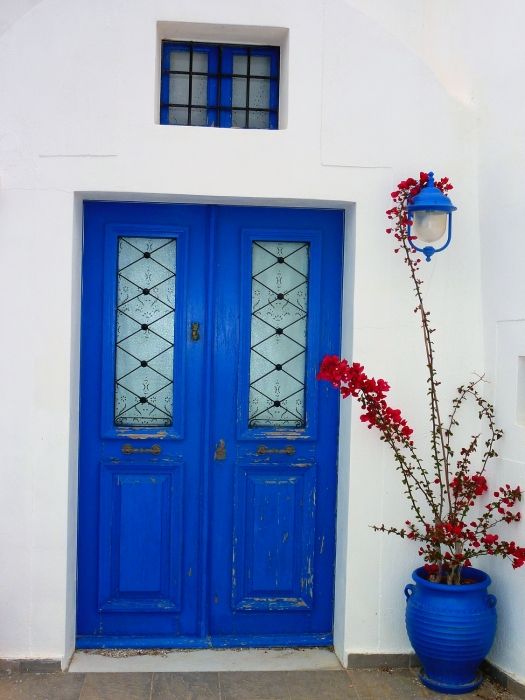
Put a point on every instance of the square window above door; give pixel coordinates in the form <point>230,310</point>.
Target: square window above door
<point>223,85</point>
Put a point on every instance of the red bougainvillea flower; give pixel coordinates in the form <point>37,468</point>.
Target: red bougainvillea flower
<point>351,380</point>
<point>481,484</point>
<point>329,368</point>
<point>490,539</point>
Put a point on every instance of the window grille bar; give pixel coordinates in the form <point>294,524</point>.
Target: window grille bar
<point>219,86</point>
<point>225,109</point>
<point>219,75</point>
<point>247,113</point>
<point>190,84</point>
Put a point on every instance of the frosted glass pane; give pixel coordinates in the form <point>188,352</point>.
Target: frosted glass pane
<point>259,93</point>
<point>278,334</point>
<point>178,115</point>
<point>238,119</point>
<point>240,64</point>
<point>200,62</point>
<point>145,326</point>
<point>179,89</point>
<point>198,117</point>
<point>259,65</point>
<point>199,90</point>
<point>239,92</point>
<point>180,60</point>
<point>259,120</point>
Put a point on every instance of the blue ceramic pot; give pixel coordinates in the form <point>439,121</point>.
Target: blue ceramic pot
<point>451,629</point>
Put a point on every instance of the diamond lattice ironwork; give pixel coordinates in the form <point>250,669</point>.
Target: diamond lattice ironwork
<point>278,334</point>
<point>145,331</point>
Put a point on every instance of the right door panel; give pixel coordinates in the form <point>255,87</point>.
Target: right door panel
<point>273,482</point>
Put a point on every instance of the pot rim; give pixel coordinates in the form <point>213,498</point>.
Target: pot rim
<point>483,583</point>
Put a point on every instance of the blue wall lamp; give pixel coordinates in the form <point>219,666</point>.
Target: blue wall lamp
<point>429,211</point>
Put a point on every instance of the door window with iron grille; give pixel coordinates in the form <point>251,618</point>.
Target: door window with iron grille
<point>222,85</point>
<point>278,334</point>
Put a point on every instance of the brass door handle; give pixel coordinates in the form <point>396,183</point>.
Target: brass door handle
<point>130,450</point>
<point>195,331</point>
<point>220,451</point>
<point>288,450</point>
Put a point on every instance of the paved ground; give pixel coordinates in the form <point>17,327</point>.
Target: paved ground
<point>269,685</point>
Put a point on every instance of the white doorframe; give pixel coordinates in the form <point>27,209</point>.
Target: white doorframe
<point>341,591</point>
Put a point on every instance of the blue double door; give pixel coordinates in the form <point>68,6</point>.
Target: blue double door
<point>207,483</point>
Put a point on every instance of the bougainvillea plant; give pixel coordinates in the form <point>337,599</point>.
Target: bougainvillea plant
<point>449,527</point>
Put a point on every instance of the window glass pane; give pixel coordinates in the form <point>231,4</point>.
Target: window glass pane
<point>178,115</point>
<point>278,334</point>
<point>199,90</point>
<point>238,119</point>
<point>145,331</point>
<point>180,60</point>
<point>259,120</point>
<point>259,65</point>
<point>240,64</point>
<point>200,62</point>
<point>239,92</point>
<point>259,93</point>
<point>198,117</point>
<point>179,89</point>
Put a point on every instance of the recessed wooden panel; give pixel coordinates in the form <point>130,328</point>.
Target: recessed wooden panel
<point>140,543</point>
<point>140,550</point>
<point>273,504</point>
<point>274,537</point>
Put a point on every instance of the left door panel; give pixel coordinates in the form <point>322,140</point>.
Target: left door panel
<point>143,292</point>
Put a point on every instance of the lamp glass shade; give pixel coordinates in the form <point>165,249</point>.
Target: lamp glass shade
<point>429,226</point>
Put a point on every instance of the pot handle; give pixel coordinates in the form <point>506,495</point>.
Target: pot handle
<point>491,600</point>
<point>409,590</point>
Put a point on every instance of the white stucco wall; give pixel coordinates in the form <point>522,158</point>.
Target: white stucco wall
<point>495,62</point>
<point>369,101</point>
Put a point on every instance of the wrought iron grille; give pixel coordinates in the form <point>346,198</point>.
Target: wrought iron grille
<point>221,85</point>
<point>278,334</point>
<point>145,322</point>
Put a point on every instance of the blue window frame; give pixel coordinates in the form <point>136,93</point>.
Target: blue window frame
<point>224,85</point>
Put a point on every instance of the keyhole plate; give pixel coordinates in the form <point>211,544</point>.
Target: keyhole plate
<point>220,451</point>
<point>195,331</point>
